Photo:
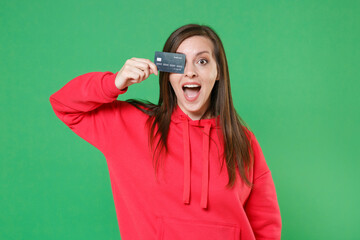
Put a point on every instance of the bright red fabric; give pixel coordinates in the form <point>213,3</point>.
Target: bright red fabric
<point>188,200</point>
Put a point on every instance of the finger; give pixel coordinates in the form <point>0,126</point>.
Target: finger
<point>154,72</point>
<point>133,76</point>
<point>152,65</point>
<point>146,71</point>
<point>131,64</point>
<point>139,64</point>
<point>144,67</point>
<point>140,74</point>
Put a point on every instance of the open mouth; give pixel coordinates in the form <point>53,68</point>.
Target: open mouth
<point>191,91</point>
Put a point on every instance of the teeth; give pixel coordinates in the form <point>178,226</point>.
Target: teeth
<point>191,86</point>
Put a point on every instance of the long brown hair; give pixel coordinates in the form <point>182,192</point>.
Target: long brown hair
<point>237,149</point>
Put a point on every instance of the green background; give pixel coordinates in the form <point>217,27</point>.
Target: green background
<point>294,68</point>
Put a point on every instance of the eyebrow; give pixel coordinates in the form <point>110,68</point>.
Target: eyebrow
<point>197,53</point>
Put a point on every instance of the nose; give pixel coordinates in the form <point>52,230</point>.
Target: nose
<point>190,71</point>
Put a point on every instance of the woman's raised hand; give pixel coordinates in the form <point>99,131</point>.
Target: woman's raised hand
<point>135,70</point>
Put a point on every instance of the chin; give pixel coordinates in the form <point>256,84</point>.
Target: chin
<point>194,110</point>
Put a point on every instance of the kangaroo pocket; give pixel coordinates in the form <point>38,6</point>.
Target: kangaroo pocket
<point>178,229</point>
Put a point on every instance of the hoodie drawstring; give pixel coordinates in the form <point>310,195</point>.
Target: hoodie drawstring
<point>186,196</point>
<point>205,170</point>
<point>205,164</point>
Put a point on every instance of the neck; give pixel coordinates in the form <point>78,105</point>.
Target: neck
<point>197,115</point>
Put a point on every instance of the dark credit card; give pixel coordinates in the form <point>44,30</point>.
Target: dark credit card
<point>170,62</point>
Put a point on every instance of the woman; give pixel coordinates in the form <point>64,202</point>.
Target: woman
<point>166,161</point>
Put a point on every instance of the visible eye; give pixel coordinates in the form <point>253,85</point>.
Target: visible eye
<point>203,61</point>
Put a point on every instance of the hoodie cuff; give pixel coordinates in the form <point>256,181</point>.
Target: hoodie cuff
<point>110,88</point>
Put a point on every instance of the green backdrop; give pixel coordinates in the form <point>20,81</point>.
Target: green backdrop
<point>294,67</point>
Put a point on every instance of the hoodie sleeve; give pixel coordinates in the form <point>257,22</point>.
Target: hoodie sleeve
<point>85,104</point>
<point>262,207</point>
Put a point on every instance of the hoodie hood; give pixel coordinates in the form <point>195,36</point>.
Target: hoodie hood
<point>206,126</point>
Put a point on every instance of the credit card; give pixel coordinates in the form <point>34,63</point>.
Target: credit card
<point>170,62</point>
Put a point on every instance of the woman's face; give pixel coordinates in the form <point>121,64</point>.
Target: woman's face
<point>193,87</point>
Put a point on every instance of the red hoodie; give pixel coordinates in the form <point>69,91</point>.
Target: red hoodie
<point>188,200</point>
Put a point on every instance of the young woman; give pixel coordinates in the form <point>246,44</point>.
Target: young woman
<point>166,161</point>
